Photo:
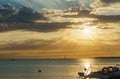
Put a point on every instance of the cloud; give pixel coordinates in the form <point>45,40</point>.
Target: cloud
<point>27,13</point>
<point>103,3</point>
<point>53,44</point>
<point>76,12</point>
<point>106,7</point>
<point>24,14</point>
<point>106,18</point>
<point>28,44</point>
<point>105,28</point>
<point>7,9</point>
<point>39,27</point>
<point>110,1</point>
<point>58,47</point>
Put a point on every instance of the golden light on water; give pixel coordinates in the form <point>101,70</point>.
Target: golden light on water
<point>87,65</point>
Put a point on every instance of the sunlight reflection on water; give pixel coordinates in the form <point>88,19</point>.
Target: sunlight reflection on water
<point>50,69</point>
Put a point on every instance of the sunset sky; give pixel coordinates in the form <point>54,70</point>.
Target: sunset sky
<point>59,36</point>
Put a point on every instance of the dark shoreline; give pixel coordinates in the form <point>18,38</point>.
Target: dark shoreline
<point>106,57</point>
<point>62,58</point>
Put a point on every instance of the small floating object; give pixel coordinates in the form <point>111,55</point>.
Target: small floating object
<point>39,70</point>
<point>12,59</point>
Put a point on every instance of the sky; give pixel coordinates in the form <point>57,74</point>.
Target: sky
<point>63,34</point>
<point>55,4</point>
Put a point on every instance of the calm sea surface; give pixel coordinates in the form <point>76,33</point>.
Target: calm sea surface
<point>50,68</point>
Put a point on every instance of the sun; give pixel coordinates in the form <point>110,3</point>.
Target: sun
<point>87,31</point>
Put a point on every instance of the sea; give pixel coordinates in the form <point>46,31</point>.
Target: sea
<point>51,68</point>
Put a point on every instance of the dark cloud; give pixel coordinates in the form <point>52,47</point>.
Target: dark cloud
<point>103,3</point>
<point>110,1</point>
<point>28,14</point>
<point>18,20</point>
<point>106,7</point>
<point>50,27</point>
<point>7,9</point>
<point>100,27</point>
<point>88,14</point>
<point>79,13</point>
<point>28,44</point>
<point>39,27</point>
<point>24,14</point>
<point>107,18</point>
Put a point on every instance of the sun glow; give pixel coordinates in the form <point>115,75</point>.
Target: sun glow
<point>87,31</point>
<point>85,35</point>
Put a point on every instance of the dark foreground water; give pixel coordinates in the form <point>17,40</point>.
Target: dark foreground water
<point>50,68</point>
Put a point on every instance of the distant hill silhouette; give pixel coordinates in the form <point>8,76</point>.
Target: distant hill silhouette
<point>106,57</point>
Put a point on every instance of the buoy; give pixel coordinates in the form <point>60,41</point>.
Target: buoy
<point>110,69</point>
<point>39,70</point>
<point>105,70</point>
<point>85,69</point>
<point>116,69</point>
